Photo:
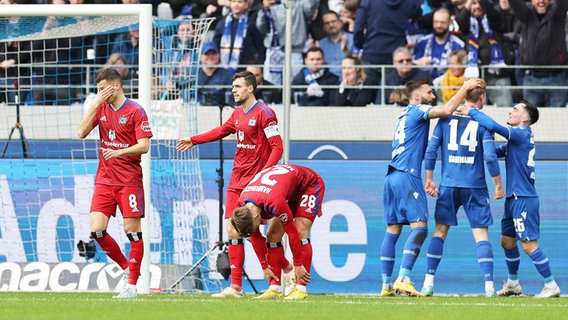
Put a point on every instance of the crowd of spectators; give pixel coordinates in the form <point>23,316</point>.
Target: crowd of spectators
<point>514,45</point>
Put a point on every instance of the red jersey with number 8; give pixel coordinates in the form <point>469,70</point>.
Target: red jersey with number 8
<point>120,129</point>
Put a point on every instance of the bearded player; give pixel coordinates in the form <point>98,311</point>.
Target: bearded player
<point>259,146</point>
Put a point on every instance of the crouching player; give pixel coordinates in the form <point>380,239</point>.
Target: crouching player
<point>294,195</point>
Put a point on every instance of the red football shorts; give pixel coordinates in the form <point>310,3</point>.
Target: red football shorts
<point>309,205</point>
<point>129,199</point>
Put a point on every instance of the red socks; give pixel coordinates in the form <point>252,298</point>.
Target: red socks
<point>237,258</point>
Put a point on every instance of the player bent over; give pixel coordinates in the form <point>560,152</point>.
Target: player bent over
<point>124,136</point>
<point>293,195</point>
<point>259,146</point>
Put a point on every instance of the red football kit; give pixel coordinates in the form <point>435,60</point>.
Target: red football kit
<point>286,192</point>
<point>120,178</point>
<point>259,146</point>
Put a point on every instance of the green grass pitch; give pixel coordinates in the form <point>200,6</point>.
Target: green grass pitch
<point>101,306</point>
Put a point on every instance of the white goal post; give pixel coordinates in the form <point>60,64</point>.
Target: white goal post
<point>54,124</point>
<point>144,14</point>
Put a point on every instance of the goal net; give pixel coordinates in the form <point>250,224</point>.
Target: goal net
<point>47,172</point>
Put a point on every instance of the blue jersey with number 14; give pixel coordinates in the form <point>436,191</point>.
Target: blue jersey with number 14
<point>410,139</point>
<point>464,145</point>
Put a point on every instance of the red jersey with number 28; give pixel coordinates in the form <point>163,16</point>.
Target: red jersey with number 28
<point>285,191</point>
<point>120,129</point>
<point>259,144</point>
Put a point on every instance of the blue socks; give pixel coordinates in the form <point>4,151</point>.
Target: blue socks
<point>540,261</point>
<point>485,259</point>
<point>388,256</point>
<point>412,247</point>
<point>435,251</point>
<point>513,260</point>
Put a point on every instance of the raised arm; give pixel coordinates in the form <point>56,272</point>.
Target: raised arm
<point>86,125</point>
<point>486,122</point>
<point>452,105</point>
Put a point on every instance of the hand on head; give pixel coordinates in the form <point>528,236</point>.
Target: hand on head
<point>472,83</point>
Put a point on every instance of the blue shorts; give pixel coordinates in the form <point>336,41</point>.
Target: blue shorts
<point>475,203</point>
<point>404,199</point>
<point>521,219</point>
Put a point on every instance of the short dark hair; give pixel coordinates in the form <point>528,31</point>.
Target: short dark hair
<point>532,111</point>
<point>109,74</point>
<point>329,12</point>
<point>413,85</point>
<point>314,49</point>
<point>250,79</point>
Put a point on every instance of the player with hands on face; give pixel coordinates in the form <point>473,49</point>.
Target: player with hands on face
<point>125,135</point>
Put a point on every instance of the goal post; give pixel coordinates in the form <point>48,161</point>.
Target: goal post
<point>172,180</point>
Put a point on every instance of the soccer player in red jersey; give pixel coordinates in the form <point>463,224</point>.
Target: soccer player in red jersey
<point>259,146</point>
<point>125,135</point>
<point>293,196</point>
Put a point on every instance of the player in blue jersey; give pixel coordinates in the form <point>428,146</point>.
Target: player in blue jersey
<point>521,219</point>
<point>404,197</point>
<point>464,147</point>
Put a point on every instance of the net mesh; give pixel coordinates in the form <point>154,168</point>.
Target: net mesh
<point>47,173</point>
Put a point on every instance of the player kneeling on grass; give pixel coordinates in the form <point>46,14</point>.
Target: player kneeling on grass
<point>293,195</point>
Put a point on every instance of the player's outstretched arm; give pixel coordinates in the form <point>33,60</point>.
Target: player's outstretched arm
<point>487,122</point>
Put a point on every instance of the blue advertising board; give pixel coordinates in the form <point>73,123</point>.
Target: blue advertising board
<point>346,239</point>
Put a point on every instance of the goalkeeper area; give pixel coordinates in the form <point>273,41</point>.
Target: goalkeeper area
<point>47,173</point>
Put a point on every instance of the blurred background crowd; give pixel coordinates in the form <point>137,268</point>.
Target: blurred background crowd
<point>344,52</point>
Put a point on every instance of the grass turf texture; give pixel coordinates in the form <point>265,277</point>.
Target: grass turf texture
<point>31,305</point>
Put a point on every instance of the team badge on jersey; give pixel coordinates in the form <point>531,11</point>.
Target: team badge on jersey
<point>145,126</point>
<point>122,120</point>
<point>252,122</point>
